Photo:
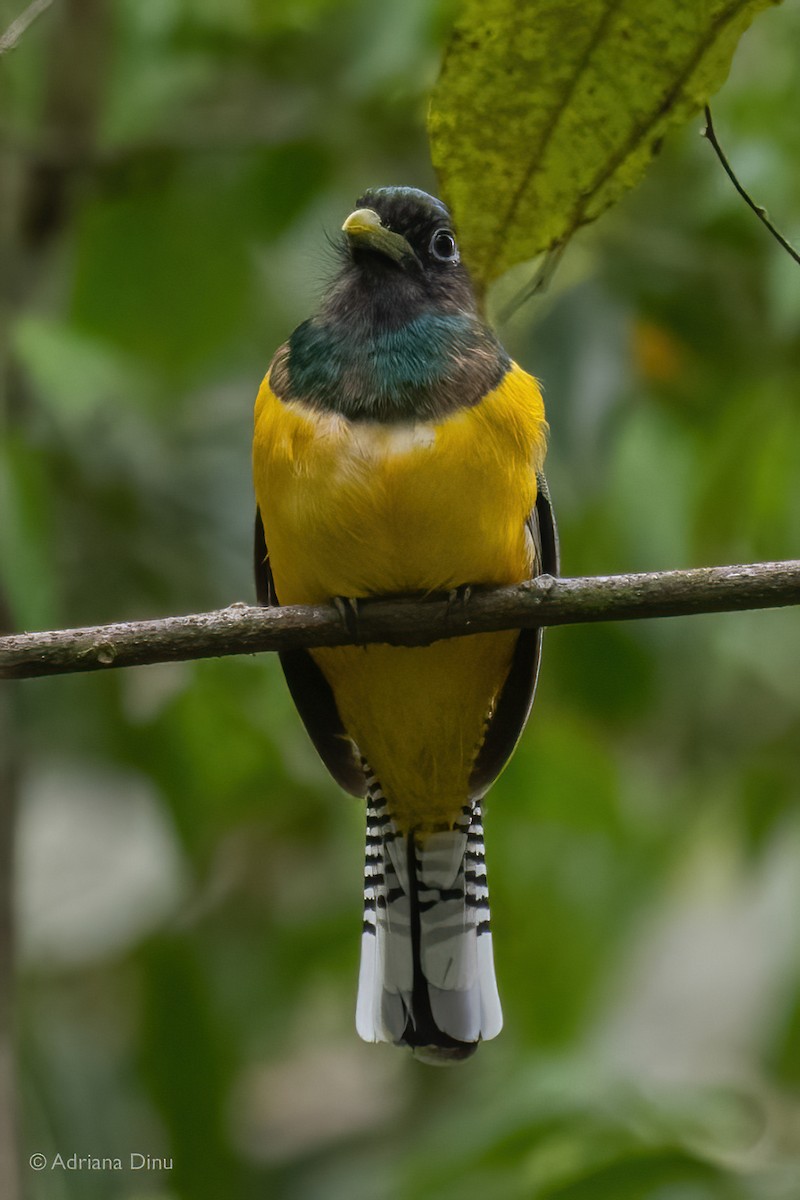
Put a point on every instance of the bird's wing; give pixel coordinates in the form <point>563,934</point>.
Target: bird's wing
<point>514,702</point>
<point>310,690</point>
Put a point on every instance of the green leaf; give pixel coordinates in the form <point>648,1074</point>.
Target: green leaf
<point>188,1066</point>
<point>673,1175</point>
<point>74,375</point>
<point>545,112</point>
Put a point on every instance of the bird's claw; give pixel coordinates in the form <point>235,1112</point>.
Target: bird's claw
<point>458,595</point>
<point>347,608</point>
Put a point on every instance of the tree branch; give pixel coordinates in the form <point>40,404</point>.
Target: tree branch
<point>408,621</point>
<point>9,39</point>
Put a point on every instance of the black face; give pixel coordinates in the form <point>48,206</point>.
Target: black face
<point>399,275</point>
<point>421,219</point>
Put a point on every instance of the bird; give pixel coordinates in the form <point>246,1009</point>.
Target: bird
<point>398,450</point>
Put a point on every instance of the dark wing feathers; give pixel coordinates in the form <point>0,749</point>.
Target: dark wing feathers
<point>265,584</point>
<point>311,691</point>
<point>543,519</point>
<point>515,700</point>
<point>316,705</point>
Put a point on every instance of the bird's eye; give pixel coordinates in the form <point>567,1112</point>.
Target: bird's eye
<point>443,246</point>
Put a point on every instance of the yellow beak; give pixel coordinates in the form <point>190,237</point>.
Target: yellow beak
<point>364,225</point>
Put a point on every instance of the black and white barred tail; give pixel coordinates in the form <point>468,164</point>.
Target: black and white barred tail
<point>427,970</point>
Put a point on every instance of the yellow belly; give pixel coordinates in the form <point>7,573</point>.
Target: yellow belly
<point>362,509</point>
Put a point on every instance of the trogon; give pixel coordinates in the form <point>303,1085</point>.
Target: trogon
<point>398,449</point>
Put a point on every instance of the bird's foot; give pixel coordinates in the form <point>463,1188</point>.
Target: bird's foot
<point>348,610</point>
<point>458,596</point>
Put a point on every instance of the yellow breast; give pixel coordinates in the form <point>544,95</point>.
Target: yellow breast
<point>354,509</point>
<point>358,509</point>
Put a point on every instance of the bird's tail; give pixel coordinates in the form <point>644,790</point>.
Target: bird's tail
<point>427,971</point>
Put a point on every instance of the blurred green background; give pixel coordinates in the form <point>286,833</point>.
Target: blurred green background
<point>188,883</point>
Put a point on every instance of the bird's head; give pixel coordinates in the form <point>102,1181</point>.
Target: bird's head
<point>403,238</point>
<point>397,336</point>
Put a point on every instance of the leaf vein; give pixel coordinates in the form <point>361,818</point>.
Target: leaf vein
<point>548,133</point>
<point>641,129</point>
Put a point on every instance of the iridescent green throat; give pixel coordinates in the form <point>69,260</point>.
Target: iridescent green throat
<point>423,369</point>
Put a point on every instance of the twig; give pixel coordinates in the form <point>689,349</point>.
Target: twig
<point>16,29</point>
<point>760,212</point>
<point>538,284</point>
<point>242,629</point>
